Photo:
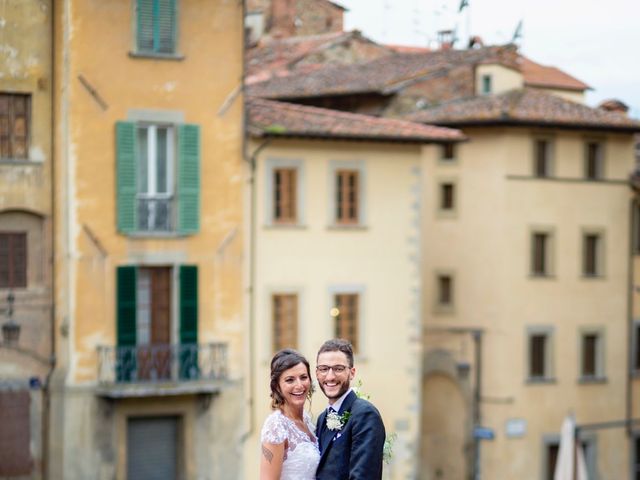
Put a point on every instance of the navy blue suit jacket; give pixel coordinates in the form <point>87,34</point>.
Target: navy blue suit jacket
<point>355,451</point>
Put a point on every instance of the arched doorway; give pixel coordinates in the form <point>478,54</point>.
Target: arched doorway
<point>443,429</point>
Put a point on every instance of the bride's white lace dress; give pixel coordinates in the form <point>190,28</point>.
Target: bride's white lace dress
<point>301,455</point>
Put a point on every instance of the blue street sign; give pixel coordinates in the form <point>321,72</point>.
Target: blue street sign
<point>483,433</point>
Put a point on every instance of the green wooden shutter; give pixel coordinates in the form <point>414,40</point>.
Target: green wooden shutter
<point>166,26</point>
<point>188,178</point>
<point>156,26</point>
<point>126,176</point>
<point>189,321</point>
<point>145,30</point>
<point>126,306</point>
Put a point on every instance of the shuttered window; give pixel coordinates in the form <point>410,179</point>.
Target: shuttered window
<point>347,196</point>
<point>156,26</point>
<point>538,344</point>
<point>285,321</point>
<point>591,255</point>
<point>153,445</point>
<point>285,195</point>
<point>188,321</point>
<point>13,259</point>
<point>15,427</point>
<point>14,125</point>
<point>346,314</point>
<point>150,197</point>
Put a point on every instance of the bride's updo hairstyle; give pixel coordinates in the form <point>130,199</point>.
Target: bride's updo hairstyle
<point>282,361</point>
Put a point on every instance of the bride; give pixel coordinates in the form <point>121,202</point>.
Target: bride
<point>289,446</point>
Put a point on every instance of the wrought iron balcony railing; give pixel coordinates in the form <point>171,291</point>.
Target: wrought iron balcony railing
<point>156,364</point>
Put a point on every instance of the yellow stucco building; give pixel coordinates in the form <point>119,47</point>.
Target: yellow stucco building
<point>26,209</point>
<point>149,237</point>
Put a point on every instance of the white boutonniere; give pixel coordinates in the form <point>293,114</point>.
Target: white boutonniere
<point>335,421</point>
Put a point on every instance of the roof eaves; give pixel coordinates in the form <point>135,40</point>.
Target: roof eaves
<point>357,138</point>
<point>535,123</point>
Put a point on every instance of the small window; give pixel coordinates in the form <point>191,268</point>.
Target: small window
<point>541,254</point>
<point>285,321</point>
<point>538,356</point>
<point>591,362</point>
<point>156,27</point>
<point>445,291</point>
<point>285,195</point>
<point>636,346</point>
<point>156,188</point>
<point>542,158</point>
<point>347,196</point>
<point>593,162</point>
<point>448,152</point>
<point>13,260</point>
<point>552,458</point>
<point>486,84</point>
<point>592,255</point>
<point>15,112</point>
<point>346,315</point>
<point>447,196</point>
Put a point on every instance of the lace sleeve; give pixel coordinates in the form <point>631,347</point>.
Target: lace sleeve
<point>274,429</point>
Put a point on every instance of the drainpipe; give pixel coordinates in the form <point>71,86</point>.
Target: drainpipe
<point>633,220</point>
<point>46,392</point>
<point>477,396</point>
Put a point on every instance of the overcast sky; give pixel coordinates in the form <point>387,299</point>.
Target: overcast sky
<point>597,41</point>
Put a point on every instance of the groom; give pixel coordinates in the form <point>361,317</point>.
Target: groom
<point>351,439</point>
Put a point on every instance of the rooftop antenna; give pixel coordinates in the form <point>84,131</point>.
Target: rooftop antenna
<point>464,4</point>
<point>517,34</point>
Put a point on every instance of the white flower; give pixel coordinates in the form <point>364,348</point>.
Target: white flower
<point>334,422</point>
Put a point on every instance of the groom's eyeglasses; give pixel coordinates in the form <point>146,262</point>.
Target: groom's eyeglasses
<point>337,369</point>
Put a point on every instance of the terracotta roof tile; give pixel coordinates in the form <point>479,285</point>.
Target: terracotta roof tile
<point>527,106</point>
<point>537,75</point>
<point>271,118</point>
<point>278,57</point>
<point>384,75</point>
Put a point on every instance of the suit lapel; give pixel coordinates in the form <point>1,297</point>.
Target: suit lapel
<point>328,435</point>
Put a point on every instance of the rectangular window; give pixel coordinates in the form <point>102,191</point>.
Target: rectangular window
<point>592,355</point>
<point>537,351</point>
<point>636,344</point>
<point>540,254</point>
<point>15,434</point>
<point>552,458</point>
<point>447,196</point>
<point>156,160</point>
<point>593,162</point>
<point>13,259</point>
<point>591,255</point>
<point>285,195</point>
<point>156,27</point>
<point>347,196</point>
<point>486,84</point>
<point>346,315</point>
<point>153,447</point>
<point>285,321</point>
<point>542,158</point>
<point>445,291</point>
<point>448,152</point>
<point>15,112</point>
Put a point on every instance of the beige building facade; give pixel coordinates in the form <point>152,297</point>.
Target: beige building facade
<point>149,240</point>
<point>26,208</point>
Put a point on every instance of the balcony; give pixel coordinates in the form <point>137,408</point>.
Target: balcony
<point>159,370</point>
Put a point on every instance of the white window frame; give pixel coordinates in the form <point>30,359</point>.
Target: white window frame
<point>355,289</point>
<point>271,165</point>
<point>600,354</point>
<point>549,354</point>
<point>600,252</point>
<point>549,258</point>
<point>360,167</point>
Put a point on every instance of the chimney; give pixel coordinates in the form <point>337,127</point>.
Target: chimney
<point>446,39</point>
<point>283,14</point>
<point>614,105</point>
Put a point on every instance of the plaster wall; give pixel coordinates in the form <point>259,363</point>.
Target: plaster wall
<point>378,259</point>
